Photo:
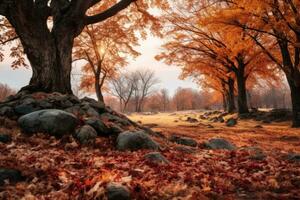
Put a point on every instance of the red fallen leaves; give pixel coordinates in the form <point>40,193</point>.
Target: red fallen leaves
<point>54,171</point>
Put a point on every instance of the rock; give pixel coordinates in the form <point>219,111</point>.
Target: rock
<point>293,157</point>
<point>45,104</point>
<point>86,135</point>
<point>290,138</point>
<point>75,110</point>
<point>52,121</point>
<point>99,126</point>
<point>117,192</point>
<point>135,140</point>
<point>90,111</point>
<point>183,140</point>
<point>116,129</point>
<point>116,119</point>
<point>184,149</point>
<point>97,105</point>
<point>7,111</point>
<point>258,126</point>
<point>151,125</point>
<point>210,126</point>
<point>191,120</point>
<point>219,143</point>
<point>231,122</point>
<point>255,153</point>
<point>5,138</point>
<point>267,121</point>
<point>156,157</point>
<point>12,175</point>
<point>24,109</point>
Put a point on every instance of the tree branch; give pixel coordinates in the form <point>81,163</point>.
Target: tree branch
<point>109,12</point>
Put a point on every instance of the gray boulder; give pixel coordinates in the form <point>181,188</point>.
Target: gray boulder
<point>52,121</point>
<point>231,122</point>
<point>116,119</point>
<point>117,192</point>
<point>135,140</point>
<point>86,135</point>
<point>156,157</point>
<point>11,175</point>
<point>219,143</point>
<point>183,140</point>
<point>5,138</point>
<point>99,126</point>
<point>293,157</point>
<point>6,111</point>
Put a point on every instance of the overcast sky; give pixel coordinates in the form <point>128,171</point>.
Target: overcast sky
<point>168,75</point>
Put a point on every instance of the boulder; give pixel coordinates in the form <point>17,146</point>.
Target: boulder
<point>52,121</point>
<point>255,153</point>
<point>135,140</point>
<point>183,140</point>
<point>6,111</point>
<point>219,143</point>
<point>12,175</point>
<point>5,138</point>
<point>156,157</point>
<point>185,150</point>
<point>231,122</point>
<point>116,119</point>
<point>258,126</point>
<point>86,135</point>
<point>99,126</point>
<point>191,120</point>
<point>117,192</point>
<point>293,157</point>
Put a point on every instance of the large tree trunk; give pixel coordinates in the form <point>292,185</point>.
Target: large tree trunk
<point>49,52</point>
<point>230,100</point>
<point>225,97</point>
<point>50,63</point>
<point>295,96</point>
<point>242,93</point>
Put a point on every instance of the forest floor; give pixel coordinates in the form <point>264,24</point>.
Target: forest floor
<point>60,169</point>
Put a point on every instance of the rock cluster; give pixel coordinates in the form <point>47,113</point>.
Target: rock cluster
<point>57,114</point>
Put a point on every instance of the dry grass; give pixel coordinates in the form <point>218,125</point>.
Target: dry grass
<point>274,136</point>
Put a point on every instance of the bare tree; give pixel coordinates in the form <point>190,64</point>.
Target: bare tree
<point>165,99</point>
<point>5,91</point>
<point>144,82</point>
<point>122,87</point>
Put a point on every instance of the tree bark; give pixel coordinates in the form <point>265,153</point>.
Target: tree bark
<point>225,97</point>
<point>295,97</point>
<point>98,90</point>
<point>230,100</point>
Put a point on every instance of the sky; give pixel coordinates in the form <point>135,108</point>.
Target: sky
<point>168,75</point>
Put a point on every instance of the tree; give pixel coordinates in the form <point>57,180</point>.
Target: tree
<point>276,21</point>
<point>105,48</point>
<point>195,38</point>
<point>47,29</point>
<point>144,81</point>
<point>122,87</point>
<point>5,91</point>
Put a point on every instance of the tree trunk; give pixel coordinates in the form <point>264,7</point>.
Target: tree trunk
<point>295,96</point>
<point>98,90</point>
<point>242,94</point>
<point>230,100</point>
<point>225,97</point>
<point>49,52</point>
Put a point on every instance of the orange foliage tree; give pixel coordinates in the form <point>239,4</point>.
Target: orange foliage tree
<point>105,47</point>
<point>196,38</point>
<point>46,31</point>
<point>278,21</point>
